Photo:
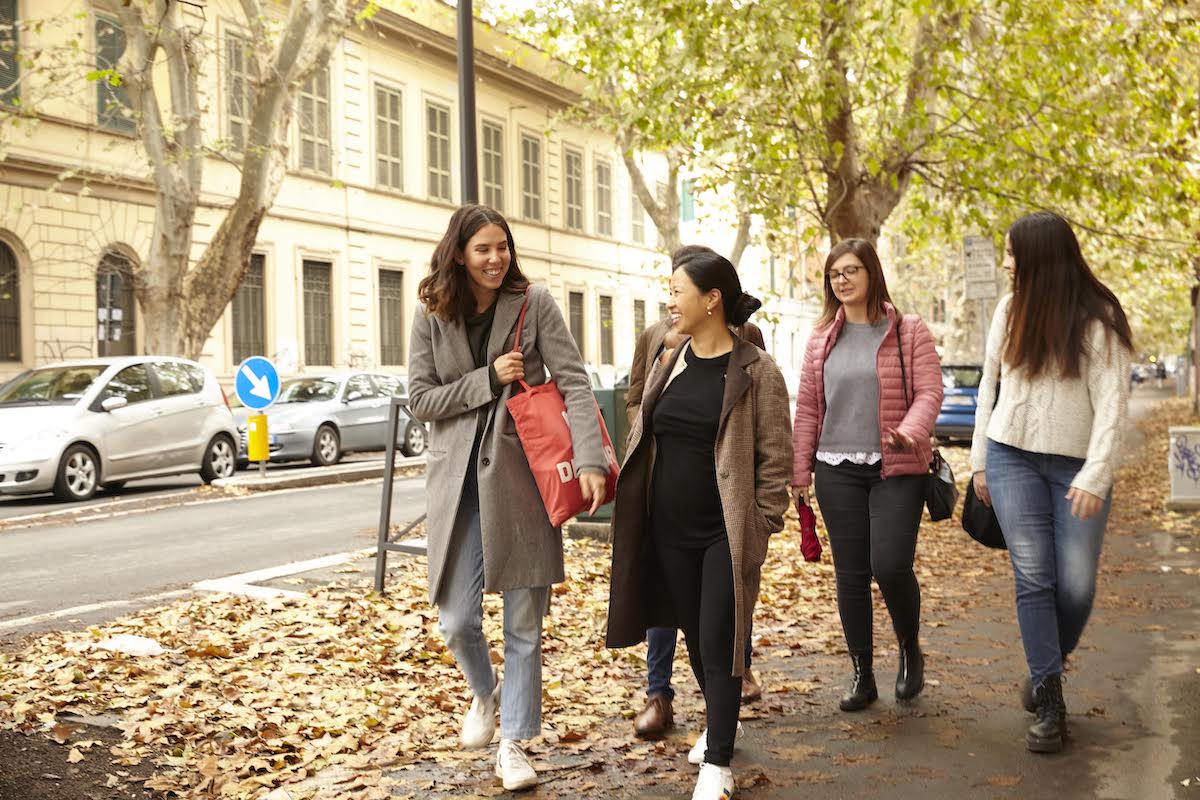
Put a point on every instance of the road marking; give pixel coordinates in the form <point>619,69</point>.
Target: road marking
<point>21,622</point>
<point>244,583</point>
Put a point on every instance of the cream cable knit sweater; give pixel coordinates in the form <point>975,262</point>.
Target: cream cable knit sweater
<point>1081,417</point>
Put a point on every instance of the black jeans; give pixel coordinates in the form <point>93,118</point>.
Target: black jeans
<point>872,525</point>
<point>701,586</point>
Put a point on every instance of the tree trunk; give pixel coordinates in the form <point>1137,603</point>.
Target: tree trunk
<point>857,208</point>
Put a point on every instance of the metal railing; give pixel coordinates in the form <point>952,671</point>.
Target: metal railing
<point>385,544</point>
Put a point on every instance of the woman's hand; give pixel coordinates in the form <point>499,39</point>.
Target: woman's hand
<point>981,490</point>
<point>510,367</point>
<point>800,493</point>
<point>900,440</point>
<point>1083,504</point>
<point>593,484</point>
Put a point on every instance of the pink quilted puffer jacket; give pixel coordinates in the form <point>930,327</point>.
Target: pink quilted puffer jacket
<point>924,372</point>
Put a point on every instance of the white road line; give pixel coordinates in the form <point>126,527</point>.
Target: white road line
<point>244,583</point>
<point>75,611</point>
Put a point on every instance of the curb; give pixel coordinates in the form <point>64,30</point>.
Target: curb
<point>340,474</point>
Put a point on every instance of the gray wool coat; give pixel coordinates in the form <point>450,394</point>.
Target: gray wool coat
<point>753,455</point>
<point>521,549</point>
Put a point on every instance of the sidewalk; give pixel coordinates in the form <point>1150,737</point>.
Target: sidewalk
<point>340,694</point>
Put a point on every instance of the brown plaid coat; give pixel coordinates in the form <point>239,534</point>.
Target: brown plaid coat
<point>754,462</point>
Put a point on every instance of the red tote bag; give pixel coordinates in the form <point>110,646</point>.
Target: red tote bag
<point>540,416</point>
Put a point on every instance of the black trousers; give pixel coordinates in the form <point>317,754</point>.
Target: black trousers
<point>700,582</point>
<point>872,525</point>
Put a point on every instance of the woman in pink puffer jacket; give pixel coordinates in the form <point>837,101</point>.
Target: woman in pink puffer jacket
<point>870,390</point>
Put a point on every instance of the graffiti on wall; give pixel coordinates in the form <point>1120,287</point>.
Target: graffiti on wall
<point>1185,457</point>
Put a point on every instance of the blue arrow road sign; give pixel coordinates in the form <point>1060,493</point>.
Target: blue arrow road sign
<point>257,383</point>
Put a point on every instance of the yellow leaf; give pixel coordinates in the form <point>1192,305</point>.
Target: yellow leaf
<point>74,757</point>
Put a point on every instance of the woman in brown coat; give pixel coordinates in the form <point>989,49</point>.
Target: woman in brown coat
<point>703,487</point>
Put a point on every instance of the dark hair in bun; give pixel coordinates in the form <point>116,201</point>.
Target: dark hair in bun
<point>709,270</point>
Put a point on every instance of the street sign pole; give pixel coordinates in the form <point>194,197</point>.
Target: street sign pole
<point>466,102</point>
<point>256,384</point>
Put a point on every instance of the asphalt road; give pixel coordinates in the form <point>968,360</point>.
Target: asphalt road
<point>12,506</point>
<point>105,567</point>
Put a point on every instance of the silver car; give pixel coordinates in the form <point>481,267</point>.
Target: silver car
<point>319,417</point>
<point>73,427</point>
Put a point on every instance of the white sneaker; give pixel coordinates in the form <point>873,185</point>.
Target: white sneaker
<point>479,724</point>
<point>714,783</point>
<point>696,754</point>
<point>513,767</point>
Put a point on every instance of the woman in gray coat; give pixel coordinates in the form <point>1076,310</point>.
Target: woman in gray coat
<point>486,525</point>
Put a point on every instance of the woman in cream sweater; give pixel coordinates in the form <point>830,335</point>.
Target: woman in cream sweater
<point>1044,457</point>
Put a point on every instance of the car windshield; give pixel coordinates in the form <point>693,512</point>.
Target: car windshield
<point>308,390</point>
<point>961,377</point>
<point>54,385</point>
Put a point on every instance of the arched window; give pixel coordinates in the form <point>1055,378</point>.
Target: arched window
<point>116,308</point>
<point>10,305</point>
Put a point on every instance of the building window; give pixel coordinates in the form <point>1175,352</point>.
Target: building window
<point>237,91</point>
<point>10,66</point>
<point>493,166</point>
<point>116,308</point>
<point>939,310</point>
<point>604,221</point>
<point>531,178</point>
<point>114,110</point>
<point>575,317</point>
<point>773,269</point>
<point>248,310</point>
<point>389,142</point>
<point>10,305</point>
<point>573,180</point>
<point>318,314</point>
<point>316,142</point>
<point>437,150</point>
<point>662,311</point>
<point>637,218</point>
<point>606,330</point>
<point>639,317</point>
<point>687,201</point>
<point>391,317</point>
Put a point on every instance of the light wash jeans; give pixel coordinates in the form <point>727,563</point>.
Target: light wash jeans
<point>1054,555</point>
<point>460,618</point>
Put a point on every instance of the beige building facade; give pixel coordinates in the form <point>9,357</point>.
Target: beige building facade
<point>373,178</point>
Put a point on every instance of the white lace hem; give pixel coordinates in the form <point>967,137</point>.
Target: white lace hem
<point>833,459</point>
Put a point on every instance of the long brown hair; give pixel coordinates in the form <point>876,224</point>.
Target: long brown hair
<point>877,292</point>
<point>1055,298</point>
<point>446,290</point>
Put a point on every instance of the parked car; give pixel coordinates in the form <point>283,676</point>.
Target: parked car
<point>960,384</point>
<point>319,418</point>
<point>73,427</point>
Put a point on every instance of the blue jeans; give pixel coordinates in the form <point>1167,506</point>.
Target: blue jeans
<point>1054,555</point>
<point>660,659</point>
<point>460,618</point>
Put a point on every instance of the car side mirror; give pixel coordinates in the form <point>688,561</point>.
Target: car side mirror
<point>113,403</point>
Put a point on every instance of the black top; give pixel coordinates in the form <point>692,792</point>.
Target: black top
<point>685,506</point>
<point>479,329</point>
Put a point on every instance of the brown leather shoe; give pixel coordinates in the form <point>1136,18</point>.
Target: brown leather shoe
<point>751,691</point>
<point>655,719</point>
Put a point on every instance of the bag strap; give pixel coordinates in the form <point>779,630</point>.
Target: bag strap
<point>521,324</point>
<point>903,374</point>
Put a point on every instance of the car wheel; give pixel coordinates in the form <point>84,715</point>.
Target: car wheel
<point>114,486</point>
<point>78,474</point>
<point>327,446</point>
<point>414,440</point>
<point>220,459</point>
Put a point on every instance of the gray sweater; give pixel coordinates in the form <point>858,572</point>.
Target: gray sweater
<point>852,391</point>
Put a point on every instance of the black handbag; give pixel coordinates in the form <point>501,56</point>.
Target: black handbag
<point>941,492</point>
<point>979,519</point>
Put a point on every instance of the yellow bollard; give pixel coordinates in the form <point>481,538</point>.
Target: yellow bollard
<point>257,444</point>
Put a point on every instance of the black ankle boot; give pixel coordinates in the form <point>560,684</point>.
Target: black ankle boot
<point>910,679</point>
<point>1046,735</point>
<point>862,690</point>
<point>1027,701</point>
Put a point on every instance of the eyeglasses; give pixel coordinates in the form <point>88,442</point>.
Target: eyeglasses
<point>847,272</point>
